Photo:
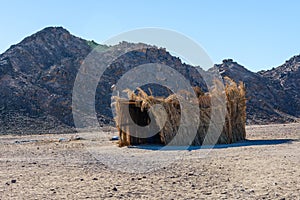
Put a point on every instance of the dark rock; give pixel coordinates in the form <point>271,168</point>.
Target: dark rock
<point>13,181</point>
<point>267,92</point>
<point>190,174</point>
<point>115,189</point>
<point>286,78</point>
<point>38,74</point>
<point>37,78</point>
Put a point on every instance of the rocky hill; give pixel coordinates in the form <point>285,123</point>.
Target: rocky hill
<point>37,77</point>
<point>268,100</point>
<point>285,81</point>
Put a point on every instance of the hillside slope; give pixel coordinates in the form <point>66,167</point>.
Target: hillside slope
<point>37,78</point>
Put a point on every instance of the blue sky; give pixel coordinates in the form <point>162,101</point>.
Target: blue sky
<point>257,34</point>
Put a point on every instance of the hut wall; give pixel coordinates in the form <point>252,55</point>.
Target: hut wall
<point>233,129</point>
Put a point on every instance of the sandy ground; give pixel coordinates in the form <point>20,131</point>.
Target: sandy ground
<point>90,166</point>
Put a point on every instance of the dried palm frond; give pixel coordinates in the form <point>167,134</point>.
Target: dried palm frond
<point>209,103</point>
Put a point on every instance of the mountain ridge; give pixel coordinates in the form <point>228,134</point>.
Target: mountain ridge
<point>37,76</point>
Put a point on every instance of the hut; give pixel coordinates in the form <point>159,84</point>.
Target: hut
<point>139,106</point>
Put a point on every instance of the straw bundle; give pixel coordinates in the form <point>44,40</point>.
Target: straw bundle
<point>140,104</point>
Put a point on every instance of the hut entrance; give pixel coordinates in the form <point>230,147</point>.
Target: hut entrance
<point>141,118</point>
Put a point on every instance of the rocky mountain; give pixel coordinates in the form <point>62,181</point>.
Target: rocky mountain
<point>286,78</point>
<point>268,101</point>
<point>37,78</point>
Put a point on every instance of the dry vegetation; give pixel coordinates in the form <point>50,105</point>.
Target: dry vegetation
<point>210,104</point>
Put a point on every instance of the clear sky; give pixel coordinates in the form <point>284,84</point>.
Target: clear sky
<point>259,34</point>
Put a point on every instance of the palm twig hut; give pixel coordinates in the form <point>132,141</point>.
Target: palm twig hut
<point>140,104</point>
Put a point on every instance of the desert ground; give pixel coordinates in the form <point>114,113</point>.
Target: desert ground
<point>88,165</point>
